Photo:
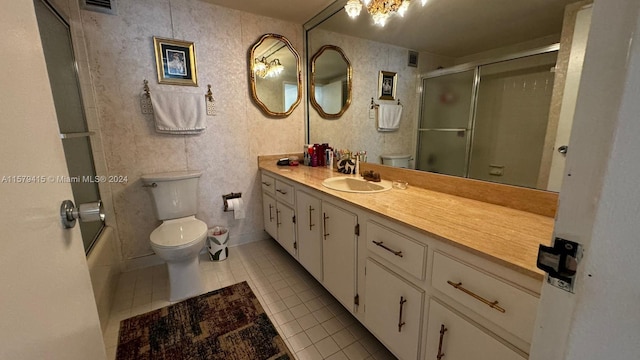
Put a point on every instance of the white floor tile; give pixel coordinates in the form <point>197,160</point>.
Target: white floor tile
<point>314,325</point>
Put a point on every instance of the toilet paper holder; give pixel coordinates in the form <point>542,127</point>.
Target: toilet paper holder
<point>229,197</point>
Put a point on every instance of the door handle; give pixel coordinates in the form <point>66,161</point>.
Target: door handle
<point>87,212</point>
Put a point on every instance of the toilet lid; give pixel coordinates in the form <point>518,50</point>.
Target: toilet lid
<point>178,232</point>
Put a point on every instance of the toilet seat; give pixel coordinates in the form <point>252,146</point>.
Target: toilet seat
<point>178,233</point>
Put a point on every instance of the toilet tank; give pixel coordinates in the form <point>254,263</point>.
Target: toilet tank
<point>401,160</point>
<point>175,194</point>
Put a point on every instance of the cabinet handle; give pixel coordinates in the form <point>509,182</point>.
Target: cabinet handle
<point>324,223</point>
<point>278,223</point>
<point>491,304</point>
<point>400,322</point>
<point>311,225</point>
<point>395,252</point>
<point>266,183</point>
<point>281,192</point>
<point>270,214</point>
<point>442,331</point>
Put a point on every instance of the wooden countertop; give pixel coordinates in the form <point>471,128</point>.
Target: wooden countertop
<point>504,235</point>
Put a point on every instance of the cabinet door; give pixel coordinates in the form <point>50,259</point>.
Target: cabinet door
<point>393,310</point>
<point>309,224</point>
<point>269,213</point>
<point>339,253</point>
<point>286,228</point>
<point>461,340</point>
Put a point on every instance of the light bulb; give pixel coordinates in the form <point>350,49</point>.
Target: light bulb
<point>380,18</point>
<point>403,8</point>
<point>353,8</point>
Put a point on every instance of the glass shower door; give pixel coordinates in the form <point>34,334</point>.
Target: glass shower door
<point>61,68</point>
<point>444,132</point>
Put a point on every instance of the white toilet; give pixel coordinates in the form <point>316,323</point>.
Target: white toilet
<point>400,160</point>
<point>180,237</point>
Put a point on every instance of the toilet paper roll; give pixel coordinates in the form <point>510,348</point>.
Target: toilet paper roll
<point>237,206</point>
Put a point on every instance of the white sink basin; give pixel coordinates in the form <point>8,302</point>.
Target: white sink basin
<point>356,185</point>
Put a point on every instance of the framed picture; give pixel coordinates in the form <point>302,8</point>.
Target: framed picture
<point>387,83</point>
<point>175,62</point>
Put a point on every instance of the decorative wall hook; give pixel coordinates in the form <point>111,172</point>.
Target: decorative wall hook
<point>146,88</point>
<point>209,94</point>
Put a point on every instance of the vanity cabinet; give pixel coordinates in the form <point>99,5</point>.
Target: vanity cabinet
<point>393,310</point>
<point>309,225</point>
<point>278,212</point>
<point>451,337</point>
<point>339,234</point>
<point>424,298</point>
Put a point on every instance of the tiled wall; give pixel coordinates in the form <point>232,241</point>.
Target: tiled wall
<point>121,56</point>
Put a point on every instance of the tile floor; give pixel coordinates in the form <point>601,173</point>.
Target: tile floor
<point>313,324</point>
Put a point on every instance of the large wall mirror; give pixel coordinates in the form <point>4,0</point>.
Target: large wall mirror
<point>331,75</point>
<point>275,75</point>
<point>457,104</point>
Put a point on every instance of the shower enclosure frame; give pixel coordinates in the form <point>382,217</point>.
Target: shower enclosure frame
<point>475,66</point>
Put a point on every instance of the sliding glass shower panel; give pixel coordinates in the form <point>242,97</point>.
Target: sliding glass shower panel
<point>511,118</point>
<point>443,134</point>
<point>447,101</point>
<point>443,152</point>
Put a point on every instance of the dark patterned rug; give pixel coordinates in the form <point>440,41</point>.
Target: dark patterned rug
<point>225,324</point>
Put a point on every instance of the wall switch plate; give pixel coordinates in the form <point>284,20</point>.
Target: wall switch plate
<point>145,104</point>
<point>372,113</point>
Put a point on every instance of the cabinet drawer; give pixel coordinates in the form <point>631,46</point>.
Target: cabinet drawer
<point>513,309</point>
<point>397,249</point>
<point>268,184</point>
<point>455,338</point>
<point>284,192</point>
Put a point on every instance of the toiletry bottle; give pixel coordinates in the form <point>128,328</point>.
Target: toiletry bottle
<point>314,155</point>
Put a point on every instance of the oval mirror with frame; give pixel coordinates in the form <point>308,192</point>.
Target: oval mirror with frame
<point>331,82</point>
<point>275,75</point>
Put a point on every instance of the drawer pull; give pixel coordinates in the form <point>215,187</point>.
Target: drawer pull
<point>491,304</point>
<point>266,183</point>
<point>311,224</point>
<point>442,331</point>
<point>400,322</point>
<point>281,192</point>
<point>324,225</point>
<point>395,252</point>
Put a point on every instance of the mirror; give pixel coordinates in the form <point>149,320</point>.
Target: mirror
<point>435,34</point>
<point>275,75</point>
<point>331,75</point>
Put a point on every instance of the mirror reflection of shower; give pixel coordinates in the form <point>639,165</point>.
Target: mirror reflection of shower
<point>488,122</point>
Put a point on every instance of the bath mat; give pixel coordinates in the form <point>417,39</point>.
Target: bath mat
<point>224,324</point>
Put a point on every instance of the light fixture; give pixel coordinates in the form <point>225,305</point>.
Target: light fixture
<point>380,10</point>
<point>265,68</point>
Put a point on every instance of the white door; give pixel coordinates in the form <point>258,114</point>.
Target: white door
<point>47,306</point>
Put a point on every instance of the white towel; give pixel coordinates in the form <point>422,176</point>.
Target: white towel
<point>389,117</point>
<point>178,112</point>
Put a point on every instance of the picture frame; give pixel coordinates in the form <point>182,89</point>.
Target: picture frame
<point>387,84</point>
<point>175,62</point>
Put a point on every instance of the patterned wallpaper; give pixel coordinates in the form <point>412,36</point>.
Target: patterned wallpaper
<point>121,56</point>
<point>355,130</point>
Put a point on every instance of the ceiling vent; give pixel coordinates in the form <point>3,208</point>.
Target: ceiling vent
<point>103,6</point>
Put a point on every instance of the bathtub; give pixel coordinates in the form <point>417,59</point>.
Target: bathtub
<point>104,267</point>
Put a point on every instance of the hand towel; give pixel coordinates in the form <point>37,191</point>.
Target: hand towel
<point>178,112</point>
<point>389,117</point>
